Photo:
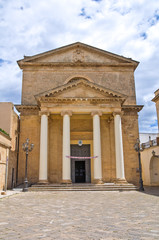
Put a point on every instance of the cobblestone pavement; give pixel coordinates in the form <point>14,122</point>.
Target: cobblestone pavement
<point>80,215</point>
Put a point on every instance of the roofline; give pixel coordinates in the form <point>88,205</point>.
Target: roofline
<point>28,58</point>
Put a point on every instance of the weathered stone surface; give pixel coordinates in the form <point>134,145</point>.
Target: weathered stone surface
<point>80,79</point>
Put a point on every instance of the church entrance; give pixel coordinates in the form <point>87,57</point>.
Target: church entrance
<point>80,167</point>
<point>80,173</point>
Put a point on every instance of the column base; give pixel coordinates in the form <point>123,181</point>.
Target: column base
<point>66,181</point>
<point>43,182</point>
<point>98,181</point>
<point>120,181</point>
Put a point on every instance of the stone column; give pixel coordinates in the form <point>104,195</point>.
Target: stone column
<point>66,162</point>
<point>97,147</point>
<point>120,174</point>
<point>43,167</point>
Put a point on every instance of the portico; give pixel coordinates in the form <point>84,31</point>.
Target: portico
<point>96,156</point>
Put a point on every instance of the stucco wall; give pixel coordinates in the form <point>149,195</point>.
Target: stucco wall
<point>146,157</point>
<point>5,113</point>
<point>5,144</point>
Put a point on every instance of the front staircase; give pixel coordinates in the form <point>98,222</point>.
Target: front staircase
<point>84,187</point>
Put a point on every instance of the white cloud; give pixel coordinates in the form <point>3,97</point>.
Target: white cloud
<point>129,28</point>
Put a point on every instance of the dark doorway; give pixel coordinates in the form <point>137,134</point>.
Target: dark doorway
<point>80,171</point>
<point>80,168</point>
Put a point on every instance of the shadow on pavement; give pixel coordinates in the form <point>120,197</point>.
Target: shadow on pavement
<point>151,190</point>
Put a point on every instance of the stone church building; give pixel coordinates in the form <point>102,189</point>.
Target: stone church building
<point>79,109</point>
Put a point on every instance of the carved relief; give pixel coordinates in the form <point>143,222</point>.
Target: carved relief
<point>78,56</point>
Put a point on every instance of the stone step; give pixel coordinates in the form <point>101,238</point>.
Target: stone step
<point>84,187</point>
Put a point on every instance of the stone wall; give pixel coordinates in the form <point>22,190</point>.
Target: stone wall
<point>29,128</point>
<point>130,134</point>
<point>36,81</point>
<point>52,69</point>
<point>81,129</point>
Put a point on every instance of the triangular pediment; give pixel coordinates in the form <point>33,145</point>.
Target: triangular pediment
<point>81,89</point>
<point>77,53</point>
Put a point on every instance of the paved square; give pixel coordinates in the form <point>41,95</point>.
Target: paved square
<point>80,215</point>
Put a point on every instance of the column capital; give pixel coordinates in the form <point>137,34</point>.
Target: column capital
<point>96,112</point>
<point>66,112</point>
<point>118,112</point>
<point>44,113</point>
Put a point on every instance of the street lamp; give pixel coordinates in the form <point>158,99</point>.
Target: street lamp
<point>137,149</point>
<point>26,149</point>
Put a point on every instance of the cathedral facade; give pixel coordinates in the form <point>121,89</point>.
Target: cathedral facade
<point>79,109</point>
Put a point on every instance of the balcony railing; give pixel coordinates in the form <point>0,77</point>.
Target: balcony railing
<point>150,143</point>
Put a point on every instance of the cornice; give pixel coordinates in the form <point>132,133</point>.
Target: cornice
<point>69,85</point>
<point>27,108</point>
<point>73,64</point>
<point>134,108</point>
<point>78,46</point>
<point>79,100</point>
<point>5,135</point>
<point>5,146</point>
<point>156,98</point>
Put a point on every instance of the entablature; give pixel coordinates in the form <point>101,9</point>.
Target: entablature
<point>131,109</point>
<point>28,109</point>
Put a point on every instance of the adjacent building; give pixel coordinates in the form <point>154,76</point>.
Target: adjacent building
<point>5,145</point>
<point>9,124</point>
<point>150,153</point>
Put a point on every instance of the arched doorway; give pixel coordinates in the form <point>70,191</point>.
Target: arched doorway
<point>154,171</point>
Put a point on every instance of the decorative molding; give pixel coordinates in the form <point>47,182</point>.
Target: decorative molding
<point>78,77</point>
<point>27,109</point>
<point>156,98</point>
<point>54,92</point>
<point>78,55</point>
<point>117,112</point>
<point>75,46</point>
<point>79,100</point>
<point>131,109</point>
<point>5,135</point>
<point>5,145</point>
<point>23,65</point>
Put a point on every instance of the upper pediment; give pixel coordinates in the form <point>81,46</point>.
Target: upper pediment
<point>77,53</point>
<point>83,90</point>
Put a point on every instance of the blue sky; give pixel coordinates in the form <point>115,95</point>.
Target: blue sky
<point>129,28</point>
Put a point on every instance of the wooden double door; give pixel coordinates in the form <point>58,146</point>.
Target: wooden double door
<point>80,168</point>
